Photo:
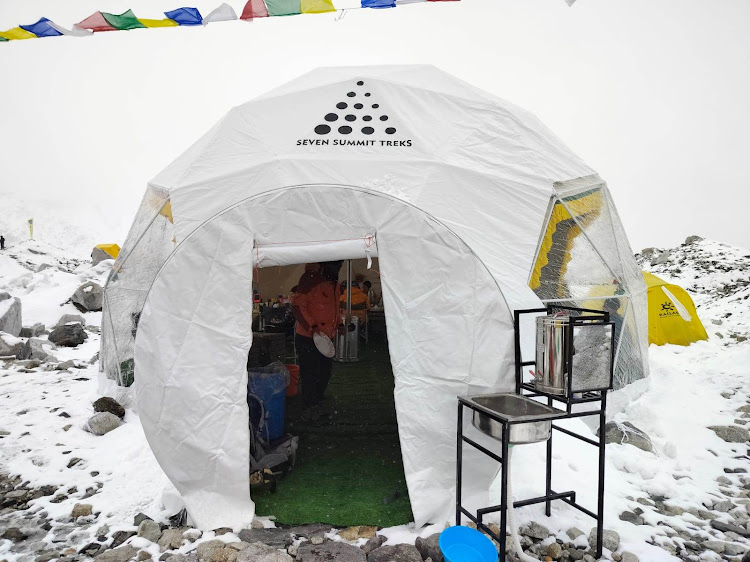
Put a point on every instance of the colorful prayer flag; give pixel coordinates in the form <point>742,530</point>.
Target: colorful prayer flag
<point>225,12</point>
<point>16,34</point>
<point>96,23</point>
<point>317,6</point>
<point>123,21</point>
<point>185,16</point>
<point>283,7</point>
<point>158,23</point>
<point>42,28</point>
<point>254,9</point>
<point>74,31</point>
<point>378,3</point>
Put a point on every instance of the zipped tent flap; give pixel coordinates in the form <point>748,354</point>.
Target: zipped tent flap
<point>292,253</point>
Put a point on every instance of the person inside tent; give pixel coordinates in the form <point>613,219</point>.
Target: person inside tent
<point>315,307</point>
<point>370,292</point>
<point>360,302</point>
<point>2,242</point>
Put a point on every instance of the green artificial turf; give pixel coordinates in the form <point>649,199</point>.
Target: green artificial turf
<point>349,469</point>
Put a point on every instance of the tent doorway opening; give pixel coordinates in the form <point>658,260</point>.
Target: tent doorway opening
<point>349,469</point>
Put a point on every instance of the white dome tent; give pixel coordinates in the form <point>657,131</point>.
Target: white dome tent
<point>473,207</point>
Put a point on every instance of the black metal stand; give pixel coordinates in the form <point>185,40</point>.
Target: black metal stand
<point>528,390</point>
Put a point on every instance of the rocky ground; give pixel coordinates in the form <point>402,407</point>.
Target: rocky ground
<point>77,480</point>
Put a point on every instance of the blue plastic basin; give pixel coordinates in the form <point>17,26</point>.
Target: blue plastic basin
<point>464,544</point>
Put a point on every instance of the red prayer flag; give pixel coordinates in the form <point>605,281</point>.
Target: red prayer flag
<point>96,22</point>
<point>254,9</point>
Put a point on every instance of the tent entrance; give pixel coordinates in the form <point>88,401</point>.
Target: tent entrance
<point>349,468</point>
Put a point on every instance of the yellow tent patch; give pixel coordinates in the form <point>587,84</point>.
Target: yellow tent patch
<point>17,34</point>
<point>672,317</point>
<point>111,249</point>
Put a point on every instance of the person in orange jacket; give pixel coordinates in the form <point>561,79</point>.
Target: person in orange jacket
<point>315,305</point>
<point>360,303</point>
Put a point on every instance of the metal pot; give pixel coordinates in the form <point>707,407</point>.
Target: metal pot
<point>552,349</point>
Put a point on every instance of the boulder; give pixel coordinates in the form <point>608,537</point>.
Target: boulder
<point>554,551</point>
<point>692,239</point>
<point>534,530</point>
<point>277,538</point>
<point>14,534</point>
<point>68,318</point>
<point>395,553</point>
<point>628,557</point>
<point>121,554</point>
<point>332,550</point>
<point>10,315</point>
<point>226,554</point>
<point>189,557</point>
<point>310,531</point>
<point>32,331</point>
<point>610,539</point>
<point>36,349</point>
<point>374,543</point>
<point>358,532</point>
<point>10,345</point>
<point>170,538</point>
<point>731,433</point>
<point>107,404</point>
<point>728,527</point>
<point>119,537</point>
<point>149,530</point>
<point>631,517</point>
<point>574,533</point>
<point>627,434</point>
<point>88,297</point>
<point>429,547</point>
<point>648,253</point>
<point>259,552</point>
<point>68,335</point>
<point>662,258</point>
<point>102,423</point>
<point>206,549</point>
<point>81,510</point>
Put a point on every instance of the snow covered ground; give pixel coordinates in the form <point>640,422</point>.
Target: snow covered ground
<point>673,491</point>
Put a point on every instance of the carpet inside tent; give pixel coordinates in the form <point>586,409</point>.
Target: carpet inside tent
<point>349,469</point>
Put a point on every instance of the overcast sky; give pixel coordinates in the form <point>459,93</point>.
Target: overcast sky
<point>653,94</point>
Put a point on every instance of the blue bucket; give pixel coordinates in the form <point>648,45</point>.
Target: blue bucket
<point>269,384</point>
<point>464,544</point>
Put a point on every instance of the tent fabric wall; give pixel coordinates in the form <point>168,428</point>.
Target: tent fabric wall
<point>672,317</point>
<point>458,205</point>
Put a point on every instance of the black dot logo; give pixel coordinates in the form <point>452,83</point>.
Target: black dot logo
<point>390,130</point>
<point>367,95</point>
<point>322,129</point>
<point>360,83</point>
<point>350,117</point>
<point>342,105</point>
<point>368,130</point>
<point>375,105</point>
<point>384,118</point>
<point>367,118</point>
<point>358,106</point>
<point>351,94</point>
<point>345,130</point>
<point>331,117</point>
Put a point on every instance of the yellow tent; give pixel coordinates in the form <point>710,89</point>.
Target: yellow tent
<point>103,252</point>
<point>671,314</point>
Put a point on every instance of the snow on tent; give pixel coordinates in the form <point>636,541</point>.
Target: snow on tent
<point>103,252</point>
<point>672,317</point>
<point>462,209</point>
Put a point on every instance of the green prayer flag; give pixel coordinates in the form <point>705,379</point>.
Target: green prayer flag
<point>124,21</point>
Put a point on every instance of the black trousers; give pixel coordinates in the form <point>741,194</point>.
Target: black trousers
<point>315,370</point>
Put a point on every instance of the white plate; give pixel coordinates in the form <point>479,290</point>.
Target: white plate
<point>324,345</point>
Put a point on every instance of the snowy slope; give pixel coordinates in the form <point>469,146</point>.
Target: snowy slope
<point>675,489</point>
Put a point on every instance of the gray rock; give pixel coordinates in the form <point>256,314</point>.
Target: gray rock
<point>102,423</point>
<point>309,531</point>
<point>574,533</point>
<point>120,537</point>
<point>395,553</point>
<point>277,538</point>
<point>81,510</point>
<point>610,539</point>
<point>716,546</point>
<point>723,506</point>
<point>36,349</point>
<point>631,517</point>
<point>42,266</point>
<point>107,404</point>
<point>14,534</point>
<point>338,551</point>
<point>734,549</point>
<point>744,409</point>
<point>576,553</point>
<point>121,554</point>
<point>430,548</point>
<point>728,527</point>
<point>170,538</point>
<point>731,433</point>
<point>724,481</point>
<point>32,331</point>
<point>693,239</point>
<point>225,554</point>
<point>534,530</point>
<point>88,297</point>
<point>149,530</point>
<point>68,335</point>
<point>68,318</point>
<point>10,315</point>
<point>206,549</point>
<point>189,557</point>
<point>9,346</point>
<point>554,551</point>
<point>377,542</point>
<point>648,253</point>
<point>746,558</point>
<point>259,552</point>
<point>627,434</point>
<point>65,365</point>
<point>662,258</point>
